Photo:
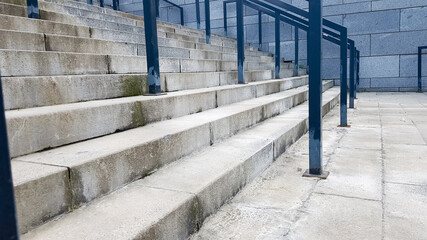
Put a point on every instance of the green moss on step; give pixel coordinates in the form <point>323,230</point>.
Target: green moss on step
<point>138,118</point>
<point>134,85</point>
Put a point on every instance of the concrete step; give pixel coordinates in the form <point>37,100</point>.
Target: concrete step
<point>51,42</point>
<point>28,92</point>
<point>34,129</point>
<point>45,63</point>
<point>87,170</point>
<point>169,41</point>
<point>104,21</point>
<point>23,24</point>
<point>41,26</point>
<point>94,8</point>
<point>78,9</point>
<point>169,204</point>
<point>222,40</point>
<point>114,21</point>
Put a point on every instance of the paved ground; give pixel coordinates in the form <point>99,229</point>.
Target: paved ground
<point>377,188</point>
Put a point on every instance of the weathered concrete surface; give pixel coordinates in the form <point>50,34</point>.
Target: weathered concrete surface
<point>38,91</point>
<point>102,165</point>
<point>35,129</point>
<point>172,202</point>
<point>377,187</point>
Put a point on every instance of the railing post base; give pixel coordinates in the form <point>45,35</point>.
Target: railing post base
<point>322,175</point>
<point>154,94</point>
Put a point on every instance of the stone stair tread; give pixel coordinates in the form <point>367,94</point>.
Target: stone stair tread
<point>49,63</point>
<point>98,166</point>
<point>110,115</point>
<point>181,28</point>
<point>54,90</point>
<point>170,204</point>
<point>21,40</point>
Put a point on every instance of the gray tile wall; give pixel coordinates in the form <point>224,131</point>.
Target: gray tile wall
<point>387,33</point>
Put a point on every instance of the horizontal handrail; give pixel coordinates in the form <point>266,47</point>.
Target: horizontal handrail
<point>181,9</point>
<point>289,18</point>
<point>331,31</point>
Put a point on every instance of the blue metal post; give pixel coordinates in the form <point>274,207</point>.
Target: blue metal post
<point>8,223</point>
<point>420,88</point>
<point>181,11</point>
<point>343,80</point>
<point>358,71</point>
<point>357,75</point>
<point>33,9</point>
<point>116,5</point>
<point>153,70</point>
<point>277,44</point>
<point>157,9</point>
<point>240,42</point>
<point>315,90</point>
<point>296,62</point>
<point>89,2</point>
<point>352,73</point>
<point>259,30</point>
<point>224,7</point>
<point>198,13</point>
<point>208,21</point>
<point>101,3</point>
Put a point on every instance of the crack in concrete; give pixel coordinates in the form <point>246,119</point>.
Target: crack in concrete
<point>408,184</point>
<point>301,210</point>
<point>344,196</point>
<point>167,189</point>
<point>259,207</point>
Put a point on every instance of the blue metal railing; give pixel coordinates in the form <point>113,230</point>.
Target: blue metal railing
<point>181,9</point>
<point>311,22</point>
<point>8,222</point>
<point>151,46</point>
<point>116,5</point>
<point>314,46</point>
<point>33,9</point>
<point>420,51</point>
<point>357,72</point>
<point>333,32</point>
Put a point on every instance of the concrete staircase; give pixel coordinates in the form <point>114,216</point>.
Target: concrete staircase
<point>92,158</point>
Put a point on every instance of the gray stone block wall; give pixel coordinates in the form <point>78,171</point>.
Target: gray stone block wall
<point>387,33</point>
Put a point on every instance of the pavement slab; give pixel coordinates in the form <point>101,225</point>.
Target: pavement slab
<point>376,189</point>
